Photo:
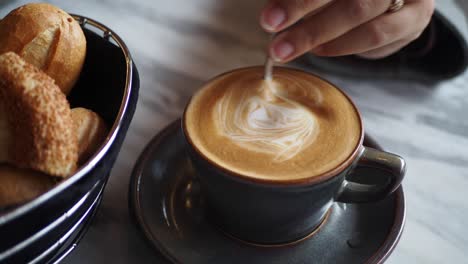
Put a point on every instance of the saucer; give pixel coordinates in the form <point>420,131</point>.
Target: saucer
<point>166,204</point>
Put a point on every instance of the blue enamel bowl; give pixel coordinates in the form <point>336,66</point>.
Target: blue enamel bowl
<point>48,227</point>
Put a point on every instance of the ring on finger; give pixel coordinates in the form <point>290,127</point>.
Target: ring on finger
<point>395,6</point>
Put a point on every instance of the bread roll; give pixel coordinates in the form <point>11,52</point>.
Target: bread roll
<point>19,185</point>
<point>48,38</point>
<point>36,125</point>
<point>91,131</point>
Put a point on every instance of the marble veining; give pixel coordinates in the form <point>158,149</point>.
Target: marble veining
<point>178,45</point>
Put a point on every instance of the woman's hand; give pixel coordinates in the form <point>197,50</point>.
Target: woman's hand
<point>342,27</point>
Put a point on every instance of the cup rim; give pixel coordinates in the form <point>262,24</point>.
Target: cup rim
<point>288,182</point>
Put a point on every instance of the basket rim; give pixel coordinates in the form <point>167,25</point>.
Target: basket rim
<point>113,132</point>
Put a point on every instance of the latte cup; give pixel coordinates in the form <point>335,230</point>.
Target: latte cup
<point>271,211</point>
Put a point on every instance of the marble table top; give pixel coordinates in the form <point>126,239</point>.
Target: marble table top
<point>178,44</point>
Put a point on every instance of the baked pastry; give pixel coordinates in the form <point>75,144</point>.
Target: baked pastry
<point>48,38</point>
<point>91,131</point>
<point>20,185</point>
<point>36,125</point>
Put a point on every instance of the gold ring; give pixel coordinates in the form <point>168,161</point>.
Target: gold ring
<point>395,6</point>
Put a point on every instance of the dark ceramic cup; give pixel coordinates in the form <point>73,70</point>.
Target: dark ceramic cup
<point>267,213</point>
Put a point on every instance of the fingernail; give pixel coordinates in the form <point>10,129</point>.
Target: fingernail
<point>273,17</point>
<point>282,50</point>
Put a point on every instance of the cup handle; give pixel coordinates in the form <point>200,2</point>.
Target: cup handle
<point>394,167</point>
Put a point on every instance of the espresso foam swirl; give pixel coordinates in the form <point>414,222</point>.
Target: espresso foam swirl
<point>294,128</point>
<point>270,118</point>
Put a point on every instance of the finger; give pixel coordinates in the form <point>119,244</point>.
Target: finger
<point>377,33</point>
<point>280,14</point>
<point>386,50</point>
<point>336,19</point>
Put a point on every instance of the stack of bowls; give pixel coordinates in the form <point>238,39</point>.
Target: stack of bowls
<point>47,228</point>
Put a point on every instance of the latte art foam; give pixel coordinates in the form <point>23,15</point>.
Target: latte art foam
<point>295,127</point>
<point>267,120</point>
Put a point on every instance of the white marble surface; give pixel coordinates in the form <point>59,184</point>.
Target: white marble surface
<point>178,44</point>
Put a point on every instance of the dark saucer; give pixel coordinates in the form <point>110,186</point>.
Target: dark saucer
<point>166,204</point>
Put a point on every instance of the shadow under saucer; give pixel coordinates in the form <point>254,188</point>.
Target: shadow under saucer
<point>166,204</point>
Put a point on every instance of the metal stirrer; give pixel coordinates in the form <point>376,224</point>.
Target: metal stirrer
<point>269,93</point>
<point>268,75</point>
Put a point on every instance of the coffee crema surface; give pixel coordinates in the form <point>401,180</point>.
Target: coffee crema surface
<point>293,127</point>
